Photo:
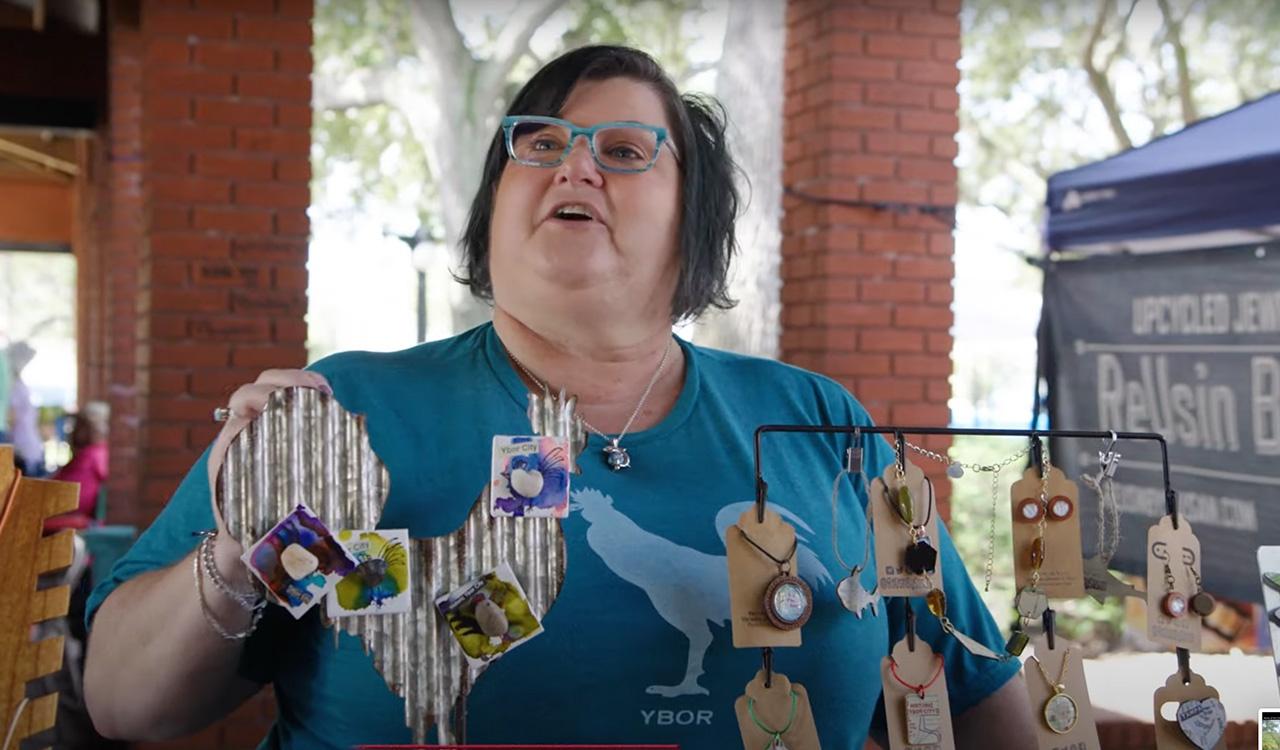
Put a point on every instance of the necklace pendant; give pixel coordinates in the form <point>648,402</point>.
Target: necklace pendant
<point>921,557</point>
<point>617,456</point>
<point>1060,711</point>
<point>788,602</point>
<point>777,743</point>
<point>855,597</point>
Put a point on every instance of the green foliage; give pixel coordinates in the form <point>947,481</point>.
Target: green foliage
<point>368,160</point>
<point>1027,108</point>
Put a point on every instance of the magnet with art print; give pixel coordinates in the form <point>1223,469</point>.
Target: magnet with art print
<point>530,477</point>
<point>298,561</point>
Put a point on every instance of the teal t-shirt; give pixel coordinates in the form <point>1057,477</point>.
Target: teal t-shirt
<point>637,648</point>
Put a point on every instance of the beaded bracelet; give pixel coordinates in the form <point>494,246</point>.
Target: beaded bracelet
<point>198,573</point>
<point>250,601</point>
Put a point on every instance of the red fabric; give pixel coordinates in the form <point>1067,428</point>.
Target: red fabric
<point>88,467</point>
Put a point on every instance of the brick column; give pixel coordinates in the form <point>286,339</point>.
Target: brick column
<point>204,228</point>
<point>871,117</point>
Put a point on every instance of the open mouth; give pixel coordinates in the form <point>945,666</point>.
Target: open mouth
<point>574,212</point>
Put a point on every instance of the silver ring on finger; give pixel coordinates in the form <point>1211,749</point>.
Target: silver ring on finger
<point>222,414</point>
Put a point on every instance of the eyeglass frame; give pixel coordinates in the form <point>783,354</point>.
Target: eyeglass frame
<point>511,121</point>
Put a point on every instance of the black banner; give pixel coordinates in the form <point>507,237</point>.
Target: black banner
<point>1186,345</point>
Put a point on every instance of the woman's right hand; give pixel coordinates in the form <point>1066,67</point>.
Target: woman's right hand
<point>246,403</point>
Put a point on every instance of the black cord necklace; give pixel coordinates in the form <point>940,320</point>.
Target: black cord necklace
<point>788,600</point>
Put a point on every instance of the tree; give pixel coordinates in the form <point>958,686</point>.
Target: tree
<point>1042,79</point>
<point>408,94</point>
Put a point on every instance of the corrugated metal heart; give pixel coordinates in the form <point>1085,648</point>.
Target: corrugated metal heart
<point>306,448</point>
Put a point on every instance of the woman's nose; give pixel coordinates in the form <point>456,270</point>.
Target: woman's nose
<point>579,165</point>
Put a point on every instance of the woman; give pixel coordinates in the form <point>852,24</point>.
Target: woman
<point>588,259</point>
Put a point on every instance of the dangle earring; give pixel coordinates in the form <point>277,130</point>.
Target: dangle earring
<point>1202,603</point>
<point>1173,604</point>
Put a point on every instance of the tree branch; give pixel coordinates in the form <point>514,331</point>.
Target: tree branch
<point>361,88</point>
<point>1098,78</point>
<point>439,43</point>
<point>1173,34</point>
<point>511,45</point>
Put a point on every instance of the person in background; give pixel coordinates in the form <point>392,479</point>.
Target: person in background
<point>88,466</point>
<point>28,450</point>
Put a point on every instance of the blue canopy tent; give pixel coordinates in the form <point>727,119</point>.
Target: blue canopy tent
<point>1162,314</point>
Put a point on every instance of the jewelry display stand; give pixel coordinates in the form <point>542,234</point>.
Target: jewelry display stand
<point>898,434</point>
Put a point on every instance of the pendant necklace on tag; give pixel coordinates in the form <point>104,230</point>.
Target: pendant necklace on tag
<point>775,735</point>
<point>924,711</point>
<point>921,556</point>
<point>852,594</point>
<point>1060,710</point>
<point>1030,601</point>
<point>788,601</point>
<point>615,455</point>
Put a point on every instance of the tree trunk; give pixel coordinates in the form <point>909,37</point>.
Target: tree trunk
<point>749,83</point>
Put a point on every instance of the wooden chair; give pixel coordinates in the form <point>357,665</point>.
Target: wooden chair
<point>24,555</point>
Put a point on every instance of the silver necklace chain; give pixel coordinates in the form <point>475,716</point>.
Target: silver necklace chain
<point>653,381</point>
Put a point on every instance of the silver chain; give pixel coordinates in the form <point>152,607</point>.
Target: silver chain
<point>994,470</point>
<point>662,364</point>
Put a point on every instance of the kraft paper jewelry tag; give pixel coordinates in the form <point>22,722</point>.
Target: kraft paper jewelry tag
<point>916,722</point>
<point>763,712</point>
<point>893,536</point>
<point>298,561</point>
<point>380,583</point>
<point>489,616</point>
<point>1200,720</point>
<point>1062,573</point>
<point>750,575</point>
<point>1063,719</point>
<point>1170,585</point>
<point>529,477</point>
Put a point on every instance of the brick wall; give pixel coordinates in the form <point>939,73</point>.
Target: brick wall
<point>194,241</point>
<point>202,226</point>
<point>871,116</point>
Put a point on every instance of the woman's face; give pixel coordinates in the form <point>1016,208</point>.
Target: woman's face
<point>626,258</point>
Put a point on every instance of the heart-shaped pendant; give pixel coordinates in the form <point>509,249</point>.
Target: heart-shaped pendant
<point>1203,722</point>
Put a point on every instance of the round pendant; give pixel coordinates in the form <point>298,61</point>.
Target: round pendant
<point>617,456</point>
<point>788,602</point>
<point>1060,713</point>
<point>1202,604</point>
<point>955,470</point>
<point>1174,605</point>
<point>1061,508</point>
<point>1030,510</point>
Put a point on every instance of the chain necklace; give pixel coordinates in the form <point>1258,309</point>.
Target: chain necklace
<point>616,456</point>
<point>955,470</point>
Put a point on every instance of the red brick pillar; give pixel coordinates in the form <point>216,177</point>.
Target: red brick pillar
<point>871,118</point>
<point>206,232</point>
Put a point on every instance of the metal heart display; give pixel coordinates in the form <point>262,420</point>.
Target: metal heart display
<point>305,447</point>
<point>416,653</point>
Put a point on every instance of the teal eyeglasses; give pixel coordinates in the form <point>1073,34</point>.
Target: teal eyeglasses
<point>622,147</point>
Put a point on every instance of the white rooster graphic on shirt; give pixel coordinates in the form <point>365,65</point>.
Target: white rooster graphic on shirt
<point>688,588</point>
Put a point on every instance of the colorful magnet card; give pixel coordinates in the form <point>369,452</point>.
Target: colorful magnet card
<point>380,583</point>
<point>298,561</point>
<point>530,477</point>
<point>489,616</point>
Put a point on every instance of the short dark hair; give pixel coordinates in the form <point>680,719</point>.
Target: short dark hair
<point>710,196</point>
